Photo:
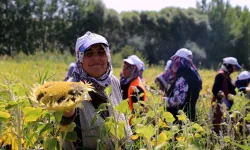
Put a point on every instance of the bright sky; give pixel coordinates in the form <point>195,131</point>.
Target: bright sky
<point>128,5</point>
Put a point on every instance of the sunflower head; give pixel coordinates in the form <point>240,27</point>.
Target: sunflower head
<point>61,95</point>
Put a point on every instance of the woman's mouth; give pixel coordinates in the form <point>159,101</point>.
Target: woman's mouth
<point>96,64</point>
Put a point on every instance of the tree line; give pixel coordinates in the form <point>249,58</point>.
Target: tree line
<point>212,30</point>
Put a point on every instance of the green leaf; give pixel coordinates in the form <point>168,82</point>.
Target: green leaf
<point>45,129</point>
<point>160,146</point>
<point>150,114</point>
<point>175,128</point>
<point>123,107</point>
<point>94,119</point>
<point>147,131</point>
<point>71,127</point>
<point>142,94</point>
<point>11,104</point>
<point>197,128</point>
<point>71,136</point>
<point>109,125</point>
<point>58,116</point>
<point>247,118</point>
<point>44,75</point>
<point>217,146</point>
<point>197,135</point>
<point>4,86</point>
<point>102,107</point>
<point>31,139</point>
<point>121,129</point>
<point>169,135</point>
<point>158,100</point>
<point>108,90</point>
<point>32,114</point>
<point>19,90</point>
<point>227,139</point>
<point>4,116</point>
<point>137,121</point>
<point>240,146</point>
<point>136,106</point>
<point>50,143</point>
<point>145,103</point>
<point>169,117</point>
<point>68,128</point>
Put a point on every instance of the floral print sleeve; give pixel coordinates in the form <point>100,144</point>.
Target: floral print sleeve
<point>180,93</point>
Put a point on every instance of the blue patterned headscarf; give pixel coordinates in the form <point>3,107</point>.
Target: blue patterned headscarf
<point>178,62</point>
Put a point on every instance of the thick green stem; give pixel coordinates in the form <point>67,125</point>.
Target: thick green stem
<point>244,128</point>
<point>116,129</point>
<point>173,138</point>
<point>19,125</point>
<point>61,141</point>
<point>186,134</point>
<point>156,126</point>
<point>116,118</point>
<point>149,145</point>
<point>18,116</point>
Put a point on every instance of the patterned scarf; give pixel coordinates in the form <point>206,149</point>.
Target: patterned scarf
<point>225,69</point>
<point>178,62</point>
<point>135,73</point>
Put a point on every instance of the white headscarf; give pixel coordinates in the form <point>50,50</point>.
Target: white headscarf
<point>79,74</point>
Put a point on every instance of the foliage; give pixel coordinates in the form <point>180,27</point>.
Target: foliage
<point>125,52</point>
<point>214,26</point>
<point>24,126</point>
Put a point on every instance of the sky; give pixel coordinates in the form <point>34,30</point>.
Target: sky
<point>139,5</point>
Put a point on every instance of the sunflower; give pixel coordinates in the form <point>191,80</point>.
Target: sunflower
<point>61,96</point>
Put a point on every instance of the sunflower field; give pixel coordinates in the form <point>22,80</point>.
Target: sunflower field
<point>32,102</point>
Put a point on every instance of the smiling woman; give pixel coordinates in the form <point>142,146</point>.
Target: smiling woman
<point>95,60</point>
<point>132,86</point>
<point>93,65</point>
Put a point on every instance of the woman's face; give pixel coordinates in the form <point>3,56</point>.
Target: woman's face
<point>234,68</point>
<point>95,61</point>
<point>127,70</point>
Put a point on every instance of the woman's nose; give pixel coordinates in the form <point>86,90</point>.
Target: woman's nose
<point>96,56</point>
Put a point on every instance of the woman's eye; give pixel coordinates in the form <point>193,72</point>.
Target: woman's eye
<point>101,53</point>
<point>88,54</point>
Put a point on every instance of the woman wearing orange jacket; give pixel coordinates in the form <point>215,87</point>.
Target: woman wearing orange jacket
<point>131,84</point>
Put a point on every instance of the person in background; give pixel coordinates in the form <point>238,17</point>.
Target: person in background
<point>222,87</point>
<point>70,71</point>
<point>160,81</point>
<point>142,67</point>
<point>242,82</point>
<point>130,80</point>
<point>168,65</point>
<point>93,65</point>
<point>185,82</point>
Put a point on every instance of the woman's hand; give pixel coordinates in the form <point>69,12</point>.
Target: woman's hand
<point>248,89</point>
<point>220,94</point>
<point>69,113</point>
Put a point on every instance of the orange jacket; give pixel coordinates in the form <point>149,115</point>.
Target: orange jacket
<point>136,82</point>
